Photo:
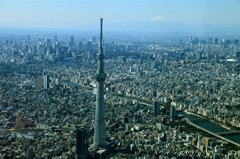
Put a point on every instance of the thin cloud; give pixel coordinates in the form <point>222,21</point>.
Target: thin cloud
<point>158,18</point>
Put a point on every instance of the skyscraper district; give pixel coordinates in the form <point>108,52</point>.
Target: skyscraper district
<point>153,96</point>
<point>99,125</point>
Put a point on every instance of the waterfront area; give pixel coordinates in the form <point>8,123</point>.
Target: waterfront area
<point>205,123</point>
<point>214,129</point>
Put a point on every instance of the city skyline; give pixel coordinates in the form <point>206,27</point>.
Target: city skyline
<point>125,95</point>
<point>153,15</point>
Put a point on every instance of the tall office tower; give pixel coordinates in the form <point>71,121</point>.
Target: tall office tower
<point>81,144</point>
<point>99,127</point>
<point>156,108</point>
<point>172,112</point>
<point>208,52</point>
<point>48,43</point>
<point>72,41</point>
<point>199,55</point>
<point>46,81</point>
<point>237,55</point>
<point>62,53</point>
<point>55,38</point>
<point>30,153</point>
<point>28,37</point>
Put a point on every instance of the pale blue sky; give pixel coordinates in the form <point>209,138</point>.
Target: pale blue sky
<point>123,13</point>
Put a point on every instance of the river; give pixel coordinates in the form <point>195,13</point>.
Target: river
<point>211,126</point>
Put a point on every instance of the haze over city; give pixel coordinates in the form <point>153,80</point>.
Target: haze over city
<point>122,15</point>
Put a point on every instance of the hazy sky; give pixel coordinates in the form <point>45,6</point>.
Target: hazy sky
<point>119,14</point>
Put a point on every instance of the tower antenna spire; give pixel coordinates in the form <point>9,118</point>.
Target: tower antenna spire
<point>101,23</point>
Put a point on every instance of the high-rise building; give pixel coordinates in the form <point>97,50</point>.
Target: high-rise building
<point>48,43</point>
<point>199,55</point>
<point>237,55</point>
<point>156,108</point>
<point>81,144</point>
<point>62,53</point>
<point>215,41</point>
<point>30,153</point>
<point>55,38</point>
<point>99,125</point>
<point>172,112</point>
<point>72,41</point>
<point>46,81</point>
